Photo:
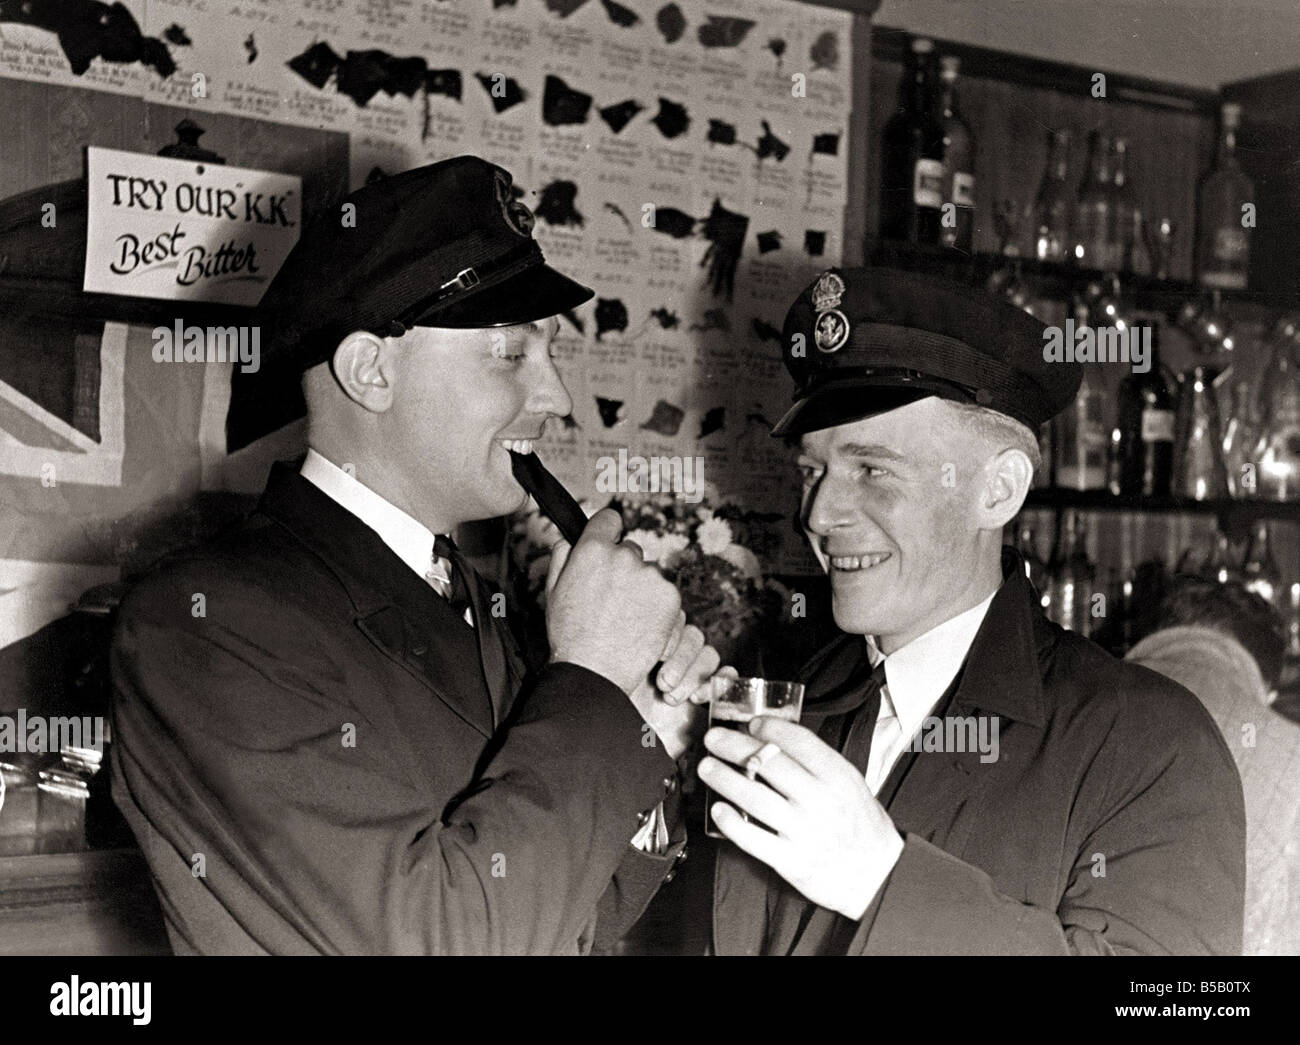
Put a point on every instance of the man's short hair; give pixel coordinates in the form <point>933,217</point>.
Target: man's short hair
<point>998,430</point>
<point>1228,607</point>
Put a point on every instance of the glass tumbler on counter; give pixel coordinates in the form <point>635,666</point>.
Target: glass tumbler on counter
<point>18,810</point>
<point>62,797</point>
<point>735,702</point>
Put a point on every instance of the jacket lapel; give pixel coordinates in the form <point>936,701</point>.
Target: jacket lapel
<point>936,794</point>
<point>932,794</point>
<point>393,608</point>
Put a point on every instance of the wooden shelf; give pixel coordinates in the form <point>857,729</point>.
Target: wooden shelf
<point>889,44</point>
<point>1059,278</point>
<point>1235,516</point>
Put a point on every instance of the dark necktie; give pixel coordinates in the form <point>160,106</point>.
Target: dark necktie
<point>445,548</point>
<point>841,721</point>
<point>855,739</point>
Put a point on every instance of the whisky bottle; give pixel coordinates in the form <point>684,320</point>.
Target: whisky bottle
<point>957,223</point>
<point>1146,427</point>
<point>1052,205</point>
<point>1222,240</point>
<point>911,159</point>
<point>1072,576</point>
<point>1081,436</point>
<point>1094,213</point>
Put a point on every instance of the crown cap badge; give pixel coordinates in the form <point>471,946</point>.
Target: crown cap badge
<point>827,292</point>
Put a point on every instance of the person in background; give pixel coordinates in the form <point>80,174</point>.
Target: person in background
<point>325,738</point>
<point>1226,645</point>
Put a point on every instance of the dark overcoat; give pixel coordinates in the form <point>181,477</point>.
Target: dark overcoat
<point>314,761</point>
<point>1111,821</point>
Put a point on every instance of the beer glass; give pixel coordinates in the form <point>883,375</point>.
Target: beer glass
<point>734,702</point>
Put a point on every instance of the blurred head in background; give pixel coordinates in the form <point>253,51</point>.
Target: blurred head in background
<point>1230,609</point>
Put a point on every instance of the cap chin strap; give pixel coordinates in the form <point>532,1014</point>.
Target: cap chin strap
<point>478,277</point>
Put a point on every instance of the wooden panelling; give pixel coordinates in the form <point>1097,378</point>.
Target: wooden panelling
<point>91,903</point>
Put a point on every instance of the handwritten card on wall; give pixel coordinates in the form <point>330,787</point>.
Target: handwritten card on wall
<point>181,230</point>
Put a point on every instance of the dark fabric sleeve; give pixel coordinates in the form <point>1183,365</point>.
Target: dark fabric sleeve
<point>636,881</point>
<point>314,846</point>
<point>1160,868</point>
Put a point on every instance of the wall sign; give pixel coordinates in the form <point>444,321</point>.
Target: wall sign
<point>179,229</point>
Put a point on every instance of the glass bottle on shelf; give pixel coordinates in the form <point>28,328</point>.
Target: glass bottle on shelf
<point>1081,435</point>
<point>1138,259</point>
<point>1277,450</point>
<point>1071,576</point>
<point>957,227</point>
<point>1094,223</point>
<point>911,156</point>
<point>1111,628</point>
<point>1160,245</point>
<point>1045,476</point>
<point>1113,461</point>
<point>1293,622</point>
<point>1124,207</point>
<point>1146,425</point>
<point>1027,546</point>
<point>1260,568</point>
<point>1221,565</point>
<point>1222,241</point>
<point>1239,436</point>
<point>1198,460</point>
<point>1052,205</point>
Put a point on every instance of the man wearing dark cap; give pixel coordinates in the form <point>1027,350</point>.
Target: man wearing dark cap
<point>967,778</point>
<point>325,738</point>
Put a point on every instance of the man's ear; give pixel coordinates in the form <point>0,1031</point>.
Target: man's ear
<point>363,367</point>
<point>1007,478</point>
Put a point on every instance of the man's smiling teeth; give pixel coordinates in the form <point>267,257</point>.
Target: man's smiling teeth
<point>858,562</point>
<point>519,446</point>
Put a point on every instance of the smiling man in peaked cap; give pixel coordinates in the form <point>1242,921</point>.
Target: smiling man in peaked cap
<point>341,749</point>
<point>967,777</point>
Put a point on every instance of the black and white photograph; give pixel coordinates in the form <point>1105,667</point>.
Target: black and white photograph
<point>654,478</point>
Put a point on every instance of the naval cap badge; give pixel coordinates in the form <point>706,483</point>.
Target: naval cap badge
<point>831,327</point>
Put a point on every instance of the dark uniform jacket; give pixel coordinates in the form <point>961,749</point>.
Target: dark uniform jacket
<point>1112,821</point>
<point>313,762</point>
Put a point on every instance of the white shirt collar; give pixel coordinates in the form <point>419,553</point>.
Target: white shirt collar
<point>409,539</point>
<point>918,674</point>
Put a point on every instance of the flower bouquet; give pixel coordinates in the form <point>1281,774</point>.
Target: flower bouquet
<point>711,554</point>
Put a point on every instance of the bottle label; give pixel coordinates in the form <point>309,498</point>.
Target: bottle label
<point>1223,280</point>
<point>963,189</point>
<point>927,184</point>
<point>1157,426</point>
<point>1230,245</point>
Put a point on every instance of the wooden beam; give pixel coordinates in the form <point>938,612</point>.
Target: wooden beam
<point>890,45</point>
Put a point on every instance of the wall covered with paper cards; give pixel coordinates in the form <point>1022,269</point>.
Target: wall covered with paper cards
<point>686,159</point>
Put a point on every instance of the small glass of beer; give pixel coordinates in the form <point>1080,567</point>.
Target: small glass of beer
<point>737,700</point>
